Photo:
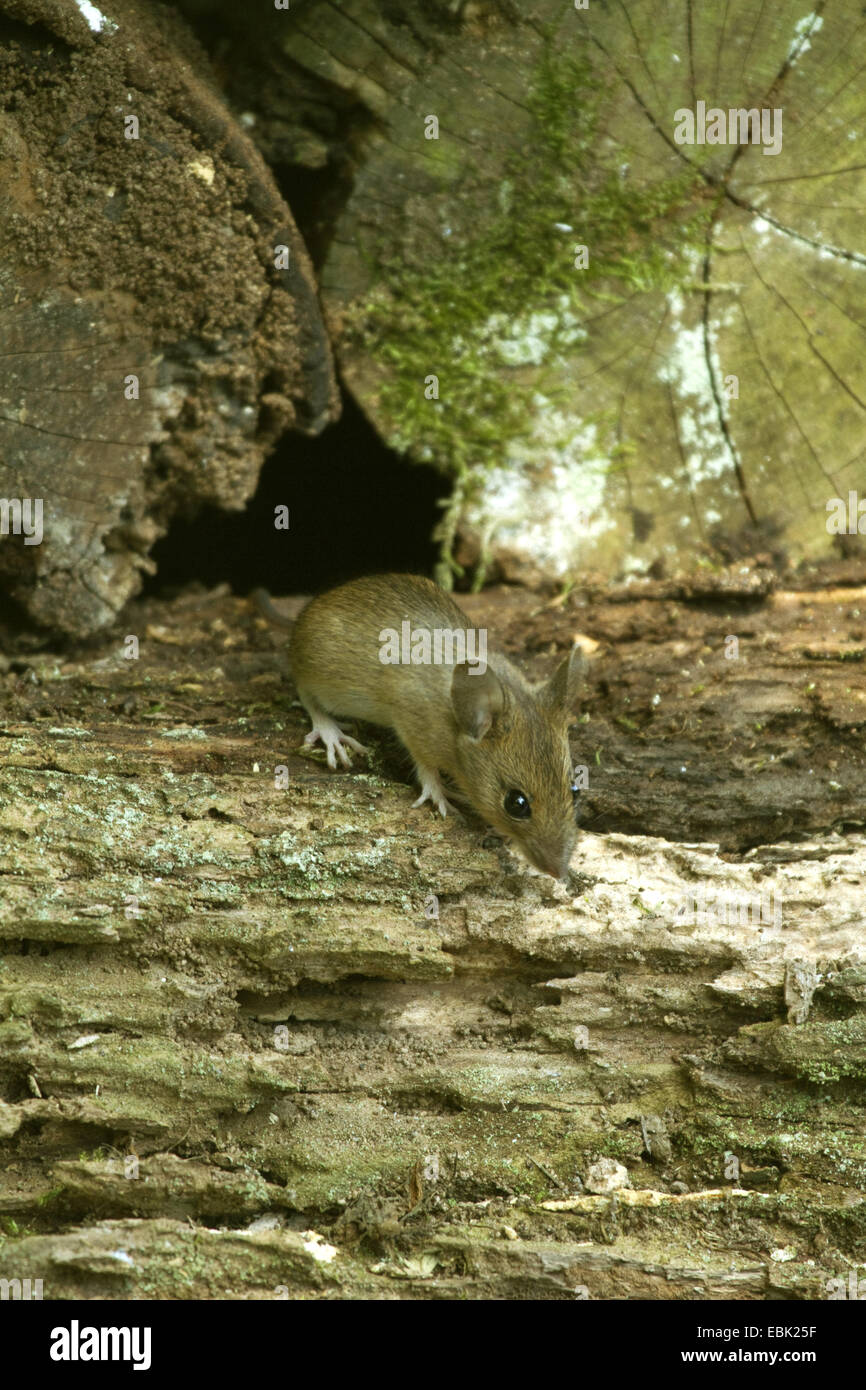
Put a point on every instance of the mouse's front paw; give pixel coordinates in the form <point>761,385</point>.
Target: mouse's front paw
<point>432,790</point>
<point>336,742</point>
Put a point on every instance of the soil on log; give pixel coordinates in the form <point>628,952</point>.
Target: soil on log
<point>159,319</point>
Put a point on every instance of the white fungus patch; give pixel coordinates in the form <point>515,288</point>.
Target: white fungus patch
<point>545,500</point>
<point>202,168</point>
<point>318,1248</point>
<point>763,231</point>
<point>97,21</point>
<point>527,341</point>
<point>686,371</point>
<point>803,30</point>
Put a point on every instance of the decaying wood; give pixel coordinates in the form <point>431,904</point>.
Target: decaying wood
<point>697,389</point>
<point>271,1034</point>
<point>153,349</point>
<point>268,1031</point>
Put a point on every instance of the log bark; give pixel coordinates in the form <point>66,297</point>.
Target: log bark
<point>271,1034</point>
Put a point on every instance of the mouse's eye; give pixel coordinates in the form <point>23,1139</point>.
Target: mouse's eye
<point>517,805</point>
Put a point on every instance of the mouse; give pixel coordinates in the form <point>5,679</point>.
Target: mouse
<point>396,650</point>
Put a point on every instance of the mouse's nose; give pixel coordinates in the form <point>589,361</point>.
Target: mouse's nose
<point>555,865</point>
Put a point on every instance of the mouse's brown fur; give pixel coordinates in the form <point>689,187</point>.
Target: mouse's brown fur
<point>490,733</point>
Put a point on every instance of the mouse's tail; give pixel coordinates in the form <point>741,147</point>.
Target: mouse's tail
<point>263,602</point>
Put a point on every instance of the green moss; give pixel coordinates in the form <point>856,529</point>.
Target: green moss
<point>504,291</point>
<point>50,1197</point>
<point>799,1132</point>
<point>819,1052</point>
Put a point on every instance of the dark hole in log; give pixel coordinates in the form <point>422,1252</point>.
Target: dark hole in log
<point>355,507</point>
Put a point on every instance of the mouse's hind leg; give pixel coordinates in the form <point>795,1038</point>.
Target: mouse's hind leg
<point>329,732</point>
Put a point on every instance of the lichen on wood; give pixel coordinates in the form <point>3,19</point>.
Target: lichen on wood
<point>266,1037</point>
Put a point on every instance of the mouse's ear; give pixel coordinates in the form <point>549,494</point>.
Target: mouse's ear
<point>477,698</point>
<point>561,691</point>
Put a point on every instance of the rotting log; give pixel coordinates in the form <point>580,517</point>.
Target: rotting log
<point>269,1034</point>
<point>159,319</point>
<point>630,354</point>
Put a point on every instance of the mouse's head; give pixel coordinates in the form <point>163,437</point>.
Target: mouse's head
<point>514,759</point>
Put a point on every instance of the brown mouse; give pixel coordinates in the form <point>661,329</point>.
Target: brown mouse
<point>359,651</point>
